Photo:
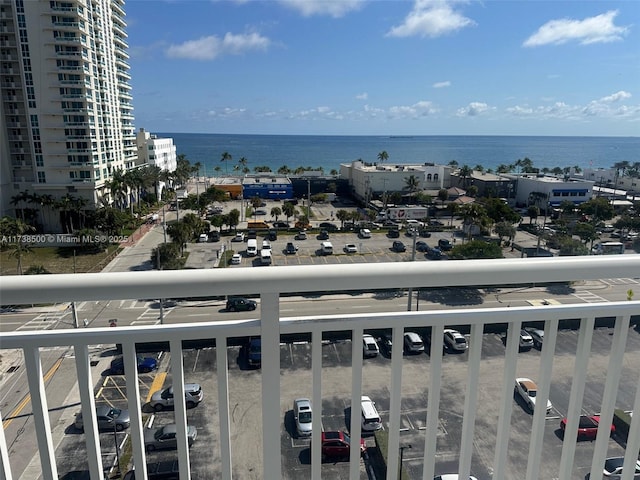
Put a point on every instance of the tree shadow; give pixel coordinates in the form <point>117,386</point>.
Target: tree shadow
<point>453,296</point>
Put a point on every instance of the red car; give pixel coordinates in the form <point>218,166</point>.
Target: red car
<point>587,427</point>
<point>337,445</point>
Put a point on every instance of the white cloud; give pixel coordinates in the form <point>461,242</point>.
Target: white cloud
<point>441,84</point>
<point>604,107</point>
<point>621,95</point>
<point>431,18</point>
<point>598,29</point>
<point>473,109</point>
<point>333,8</point>
<point>362,96</point>
<point>211,47</point>
<point>418,109</point>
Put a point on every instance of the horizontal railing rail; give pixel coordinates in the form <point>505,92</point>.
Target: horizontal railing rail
<point>274,282</point>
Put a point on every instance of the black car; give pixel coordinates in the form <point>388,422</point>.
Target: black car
<point>253,352</point>
<point>239,304</point>
<point>290,249</point>
<point>434,253</point>
<point>272,234</point>
<point>393,233</point>
<point>425,233</point>
<point>445,245</point>
<point>398,246</point>
<point>421,246</point>
<point>280,225</point>
<point>330,227</point>
<point>252,234</point>
<point>324,235</point>
<point>214,236</point>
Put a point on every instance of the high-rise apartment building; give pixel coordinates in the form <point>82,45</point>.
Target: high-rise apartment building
<point>66,118</point>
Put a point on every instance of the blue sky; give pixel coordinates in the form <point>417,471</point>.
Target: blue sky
<point>386,67</point>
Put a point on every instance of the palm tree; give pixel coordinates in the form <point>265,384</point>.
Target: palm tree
<point>19,199</point>
<point>621,168</point>
<point>288,209</point>
<point>46,202</point>
<point>464,174</point>
<point>472,214</point>
<point>383,156</point>
<point>226,157</point>
<point>284,170</point>
<point>453,163</point>
<point>16,228</point>
<point>412,184</point>
<point>117,188</point>
<point>242,163</point>
<point>276,212</point>
<point>65,205</point>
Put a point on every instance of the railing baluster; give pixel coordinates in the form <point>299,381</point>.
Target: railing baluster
<point>133,402</point>
<point>585,337</point>
<point>396,401</point>
<point>41,413</point>
<point>433,406</point>
<point>179,406</point>
<point>222,369</point>
<point>5,466</point>
<point>271,415</point>
<point>356,395</point>
<point>316,418</point>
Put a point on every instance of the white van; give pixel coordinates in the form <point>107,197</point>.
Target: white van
<point>326,248</point>
<point>252,247</point>
<point>265,256</point>
<point>370,417</point>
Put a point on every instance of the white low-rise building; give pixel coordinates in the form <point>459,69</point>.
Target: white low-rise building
<point>555,189</point>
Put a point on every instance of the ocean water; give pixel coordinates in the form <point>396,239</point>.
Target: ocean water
<point>329,152</point>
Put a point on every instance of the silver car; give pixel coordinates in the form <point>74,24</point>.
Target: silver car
<point>302,415</point>
<point>108,418</point>
<point>166,437</point>
<point>162,399</point>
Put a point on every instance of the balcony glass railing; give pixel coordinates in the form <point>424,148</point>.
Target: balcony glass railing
<point>314,282</point>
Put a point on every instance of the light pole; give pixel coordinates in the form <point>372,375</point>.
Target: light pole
<point>413,258</point>
<point>402,447</point>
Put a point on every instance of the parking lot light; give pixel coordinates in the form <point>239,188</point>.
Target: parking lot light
<point>402,447</point>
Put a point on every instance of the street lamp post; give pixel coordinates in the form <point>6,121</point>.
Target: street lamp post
<point>402,447</point>
<point>413,258</point>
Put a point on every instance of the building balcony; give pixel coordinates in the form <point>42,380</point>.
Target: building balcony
<point>273,285</point>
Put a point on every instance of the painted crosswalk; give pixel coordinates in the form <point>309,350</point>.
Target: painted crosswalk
<point>45,321</point>
<point>621,281</point>
<point>589,297</point>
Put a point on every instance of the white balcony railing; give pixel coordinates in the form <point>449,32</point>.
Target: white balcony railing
<point>271,283</point>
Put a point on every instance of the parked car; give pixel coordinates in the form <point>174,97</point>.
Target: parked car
<point>370,417</point>
<point>421,246</point>
<point>369,346</point>
<point>301,235</point>
<point>240,304</point>
<point>413,343</point>
<point>433,253</point>
<point>423,232</point>
<point>398,246</point>
<point>280,225</point>
<point>364,233</point>
<point>166,437</point>
<point>393,233</point>
<point>251,234</point>
<point>290,249</point>
<point>236,259</point>
<point>272,234</point>
<point>108,418</point>
<point>214,236</point>
<point>385,342</point>
<point>537,336</point>
<point>145,365</point>
<point>337,445</point>
<point>239,237</point>
<point>526,340</point>
<point>350,248</point>
<point>253,352</point>
<point>323,235</point>
<point>203,238</point>
<point>445,245</point>
<point>613,468</point>
<point>454,340</point>
<point>587,427</point>
<point>528,391</point>
<point>330,227</point>
<point>302,414</point>
<point>162,399</point>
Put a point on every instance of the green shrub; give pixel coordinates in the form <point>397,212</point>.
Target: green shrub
<point>378,455</point>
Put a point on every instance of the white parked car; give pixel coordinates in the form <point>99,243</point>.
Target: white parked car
<point>162,399</point>
<point>528,391</point>
<point>526,340</point>
<point>236,259</point>
<point>365,233</point>
<point>454,340</point>
<point>302,414</point>
<point>613,468</point>
<point>369,346</point>
<point>350,248</point>
<point>537,336</point>
<point>413,343</point>
<point>239,237</point>
<point>370,417</point>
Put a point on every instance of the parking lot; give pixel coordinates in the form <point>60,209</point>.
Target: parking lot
<point>246,417</point>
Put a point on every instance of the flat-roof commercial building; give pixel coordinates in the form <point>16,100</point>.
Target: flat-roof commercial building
<point>266,186</point>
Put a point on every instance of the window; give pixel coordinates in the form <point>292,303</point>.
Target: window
<point>41,177</point>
